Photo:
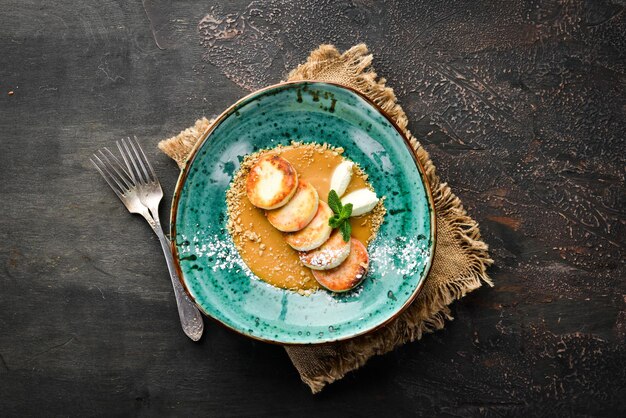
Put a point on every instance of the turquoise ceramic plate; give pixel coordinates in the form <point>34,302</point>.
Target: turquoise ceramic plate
<point>213,272</point>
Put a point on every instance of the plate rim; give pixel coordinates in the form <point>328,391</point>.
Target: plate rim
<point>184,172</point>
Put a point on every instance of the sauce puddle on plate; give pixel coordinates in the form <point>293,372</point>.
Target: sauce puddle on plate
<point>261,246</point>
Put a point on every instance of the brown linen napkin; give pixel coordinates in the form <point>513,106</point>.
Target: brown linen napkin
<point>461,257</point>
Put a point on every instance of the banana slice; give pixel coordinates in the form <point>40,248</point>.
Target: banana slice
<point>341,177</point>
<point>349,273</point>
<point>363,201</point>
<point>298,212</point>
<point>271,182</point>
<point>332,253</point>
<point>315,233</point>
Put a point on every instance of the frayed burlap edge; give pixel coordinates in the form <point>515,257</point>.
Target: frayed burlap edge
<point>178,147</point>
<point>461,258</point>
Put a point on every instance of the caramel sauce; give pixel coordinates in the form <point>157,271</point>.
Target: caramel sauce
<point>263,247</point>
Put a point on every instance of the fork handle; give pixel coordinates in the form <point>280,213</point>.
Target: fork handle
<point>190,317</point>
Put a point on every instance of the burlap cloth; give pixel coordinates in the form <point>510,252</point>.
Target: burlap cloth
<point>461,256</point>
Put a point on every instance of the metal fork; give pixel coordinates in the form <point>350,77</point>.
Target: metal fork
<point>137,186</point>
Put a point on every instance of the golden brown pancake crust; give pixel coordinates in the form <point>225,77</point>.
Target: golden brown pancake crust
<point>315,233</point>
<point>330,255</point>
<point>349,273</point>
<point>271,182</point>
<point>298,212</point>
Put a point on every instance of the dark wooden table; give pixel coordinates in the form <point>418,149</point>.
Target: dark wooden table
<point>521,105</point>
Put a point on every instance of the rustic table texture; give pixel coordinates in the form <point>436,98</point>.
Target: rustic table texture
<point>521,105</point>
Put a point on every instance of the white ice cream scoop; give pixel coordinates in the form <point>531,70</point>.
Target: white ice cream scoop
<point>341,177</point>
<point>363,201</point>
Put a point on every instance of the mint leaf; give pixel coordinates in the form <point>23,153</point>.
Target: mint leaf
<point>341,217</point>
<point>334,202</point>
<point>335,221</point>
<point>346,211</point>
<point>346,230</point>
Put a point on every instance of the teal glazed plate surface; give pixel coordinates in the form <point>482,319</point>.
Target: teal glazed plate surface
<point>215,275</point>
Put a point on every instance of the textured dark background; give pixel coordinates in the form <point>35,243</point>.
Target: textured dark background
<point>520,103</point>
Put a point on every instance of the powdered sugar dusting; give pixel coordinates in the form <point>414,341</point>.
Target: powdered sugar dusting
<point>324,258</point>
<point>221,252</point>
<point>405,256</point>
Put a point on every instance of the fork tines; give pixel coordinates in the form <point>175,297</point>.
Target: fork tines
<point>132,151</point>
<point>135,170</point>
<point>113,171</point>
